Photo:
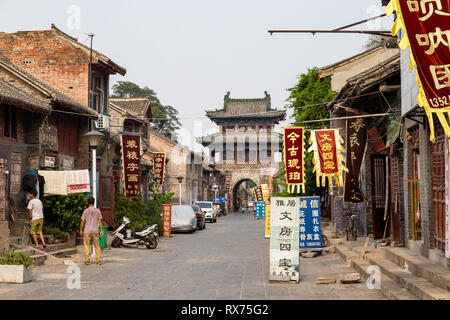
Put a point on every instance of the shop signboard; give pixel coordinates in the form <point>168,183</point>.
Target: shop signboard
<point>260,209</point>
<point>167,220</point>
<point>131,159</point>
<point>310,229</point>
<point>159,168</point>
<point>284,239</point>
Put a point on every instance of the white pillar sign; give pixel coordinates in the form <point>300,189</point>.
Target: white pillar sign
<point>284,239</point>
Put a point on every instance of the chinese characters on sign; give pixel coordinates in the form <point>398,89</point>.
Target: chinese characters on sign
<point>260,209</point>
<point>293,158</point>
<point>328,159</point>
<point>375,138</point>
<point>167,218</point>
<point>258,193</point>
<point>159,168</point>
<point>131,155</point>
<point>284,239</point>
<point>356,145</point>
<point>426,26</point>
<point>310,231</point>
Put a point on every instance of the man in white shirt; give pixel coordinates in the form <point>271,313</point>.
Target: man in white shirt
<point>36,211</point>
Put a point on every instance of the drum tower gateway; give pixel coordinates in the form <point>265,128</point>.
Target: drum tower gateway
<point>247,148</point>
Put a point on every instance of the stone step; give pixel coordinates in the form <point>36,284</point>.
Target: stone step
<point>40,258</point>
<point>387,286</point>
<point>420,287</point>
<point>419,266</point>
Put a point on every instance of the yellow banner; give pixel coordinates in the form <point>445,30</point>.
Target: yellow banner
<point>267,235</point>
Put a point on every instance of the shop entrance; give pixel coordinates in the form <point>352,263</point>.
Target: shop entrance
<point>378,165</point>
<point>438,182</point>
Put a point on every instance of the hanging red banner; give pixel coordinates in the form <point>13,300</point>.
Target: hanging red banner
<point>356,146</point>
<point>328,159</point>
<point>293,151</point>
<point>376,139</point>
<point>426,30</point>
<point>131,159</point>
<point>167,220</point>
<point>159,168</point>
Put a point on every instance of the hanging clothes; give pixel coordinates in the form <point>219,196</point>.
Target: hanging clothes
<point>56,182</point>
<point>29,182</point>
<point>78,181</point>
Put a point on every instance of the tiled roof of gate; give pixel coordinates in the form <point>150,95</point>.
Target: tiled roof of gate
<point>139,106</point>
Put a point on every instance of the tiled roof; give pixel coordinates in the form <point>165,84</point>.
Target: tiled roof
<point>17,97</point>
<point>140,107</point>
<point>57,97</point>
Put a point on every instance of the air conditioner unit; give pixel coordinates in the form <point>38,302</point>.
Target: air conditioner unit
<point>103,121</point>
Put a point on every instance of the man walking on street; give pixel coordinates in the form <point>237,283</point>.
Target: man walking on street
<point>36,211</point>
<point>93,219</point>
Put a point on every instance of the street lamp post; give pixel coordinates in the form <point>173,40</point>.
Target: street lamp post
<point>215,188</point>
<point>95,138</point>
<point>180,180</point>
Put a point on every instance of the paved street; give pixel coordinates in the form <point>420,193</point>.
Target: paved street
<point>227,260</point>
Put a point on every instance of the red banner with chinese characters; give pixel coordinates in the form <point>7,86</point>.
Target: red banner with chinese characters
<point>426,29</point>
<point>356,146</point>
<point>167,220</point>
<point>159,163</point>
<point>328,159</point>
<point>131,159</point>
<point>375,138</point>
<point>293,151</point>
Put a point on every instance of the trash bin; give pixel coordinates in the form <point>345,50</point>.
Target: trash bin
<point>102,240</point>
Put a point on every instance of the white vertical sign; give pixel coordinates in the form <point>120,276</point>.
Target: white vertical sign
<point>284,239</point>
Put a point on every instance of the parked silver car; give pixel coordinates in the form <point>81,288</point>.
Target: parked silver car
<point>183,219</point>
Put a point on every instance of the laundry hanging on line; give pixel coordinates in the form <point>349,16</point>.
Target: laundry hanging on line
<point>66,182</point>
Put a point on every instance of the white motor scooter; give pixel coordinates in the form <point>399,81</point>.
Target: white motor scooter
<point>146,236</point>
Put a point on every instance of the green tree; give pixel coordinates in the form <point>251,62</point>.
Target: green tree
<point>308,99</point>
<point>166,119</point>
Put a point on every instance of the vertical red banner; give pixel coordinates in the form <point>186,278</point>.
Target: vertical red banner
<point>293,158</point>
<point>326,145</point>
<point>375,138</point>
<point>159,168</point>
<point>131,159</point>
<point>167,220</point>
<point>426,30</point>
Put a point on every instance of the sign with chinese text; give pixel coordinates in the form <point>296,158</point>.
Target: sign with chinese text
<point>260,209</point>
<point>131,159</point>
<point>258,193</point>
<point>425,25</point>
<point>356,146</point>
<point>48,137</point>
<point>375,138</point>
<point>284,239</point>
<point>293,151</point>
<point>158,168</point>
<point>265,192</point>
<point>328,159</point>
<point>310,230</point>
<point>167,220</point>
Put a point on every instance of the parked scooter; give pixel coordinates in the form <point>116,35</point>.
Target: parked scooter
<point>147,236</point>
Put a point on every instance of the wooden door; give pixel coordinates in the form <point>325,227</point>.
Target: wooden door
<point>379,194</point>
<point>106,199</point>
<point>438,183</point>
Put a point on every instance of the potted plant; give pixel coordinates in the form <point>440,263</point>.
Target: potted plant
<point>16,267</point>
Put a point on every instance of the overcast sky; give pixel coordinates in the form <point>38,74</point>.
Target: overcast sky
<point>191,52</point>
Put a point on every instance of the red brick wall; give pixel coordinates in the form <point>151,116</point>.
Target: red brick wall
<point>50,58</point>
